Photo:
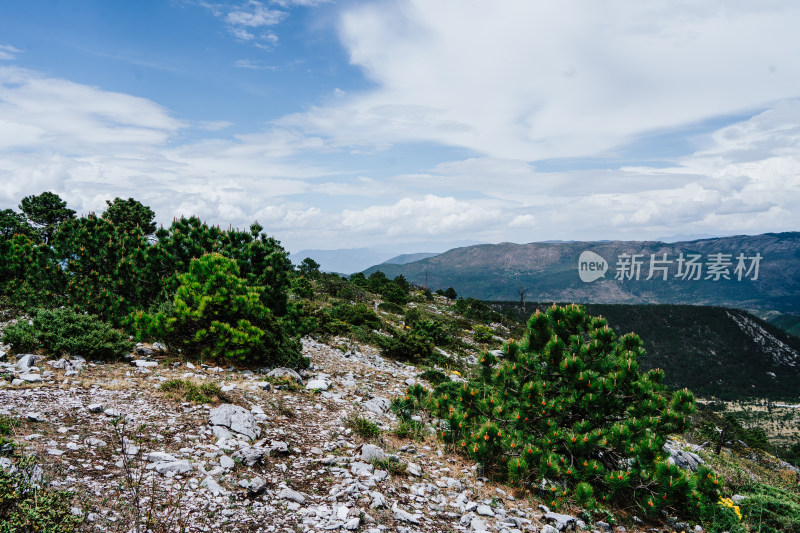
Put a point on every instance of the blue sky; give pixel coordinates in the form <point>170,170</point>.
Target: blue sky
<point>357,123</point>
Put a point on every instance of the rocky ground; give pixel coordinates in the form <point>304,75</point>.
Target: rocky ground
<point>265,459</point>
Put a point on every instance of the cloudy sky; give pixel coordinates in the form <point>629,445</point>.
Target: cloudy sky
<point>340,124</point>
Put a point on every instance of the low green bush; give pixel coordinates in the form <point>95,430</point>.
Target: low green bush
<point>390,307</point>
<point>65,331</point>
<point>433,330</point>
<point>7,425</point>
<point>356,315</point>
<point>771,510</point>
<point>434,377</point>
<point>216,315</point>
<point>407,346</point>
<point>482,333</point>
<point>412,316</point>
<point>722,517</point>
<point>26,506</point>
<point>410,429</point>
<point>395,467</point>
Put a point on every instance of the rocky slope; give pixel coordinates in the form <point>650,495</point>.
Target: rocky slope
<point>264,460</point>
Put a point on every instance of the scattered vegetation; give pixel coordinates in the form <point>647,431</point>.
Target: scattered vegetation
<point>449,293</point>
<point>392,465</point>
<point>411,429</point>
<point>7,425</point>
<point>67,332</point>
<point>363,427</point>
<point>189,391</point>
<point>150,507</point>
<point>569,403</point>
<point>770,509</point>
<point>284,409</point>
<point>26,504</point>
<point>285,383</point>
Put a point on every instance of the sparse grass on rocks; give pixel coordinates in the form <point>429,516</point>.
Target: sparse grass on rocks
<point>7,425</point>
<point>186,390</point>
<point>410,429</point>
<point>363,428</point>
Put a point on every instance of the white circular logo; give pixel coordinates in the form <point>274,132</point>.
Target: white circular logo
<point>591,266</point>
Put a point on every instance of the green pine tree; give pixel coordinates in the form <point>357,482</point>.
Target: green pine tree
<point>216,315</point>
<point>45,213</point>
<point>105,266</point>
<point>567,405</point>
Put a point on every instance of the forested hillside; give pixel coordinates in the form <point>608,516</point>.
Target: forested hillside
<point>217,293</point>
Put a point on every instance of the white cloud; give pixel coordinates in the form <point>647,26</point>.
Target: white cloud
<point>253,65</point>
<point>214,125</point>
<point>531,80</point>
<point>90,145</point>
<point>254,15</point>
<point>523,221</point>
<point>362,186</point>
<point>512,88</point>
<point>248,22</point>
<point>305,3</point>
<point>8,52</point>
<point>63,115</point>
<point>431,215</point>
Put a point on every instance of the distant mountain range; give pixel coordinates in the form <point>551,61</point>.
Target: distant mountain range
<point>760,272</point>
<point>404,259</point>
<point>351,260</point>
<point>344,261</point>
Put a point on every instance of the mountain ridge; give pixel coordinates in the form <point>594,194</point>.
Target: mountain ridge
<point>549,272</point>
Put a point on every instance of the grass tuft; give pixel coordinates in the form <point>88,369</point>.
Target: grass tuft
<point>364,428</point>
<point>186,390</point>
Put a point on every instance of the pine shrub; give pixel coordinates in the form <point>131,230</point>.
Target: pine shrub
<point>105,267</point>
<point>482,334</point>
<point>215,315</point>
<point>567,407</point>
<point>67,332</point>
<point>407,346</point>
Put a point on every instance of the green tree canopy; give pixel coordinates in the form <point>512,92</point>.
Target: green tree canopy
<point>216,315</point>
<point>128,214</point>
<point>13,223</point>
<point>45,213</point>
<point>308,268</point>
<point>105,267</point>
